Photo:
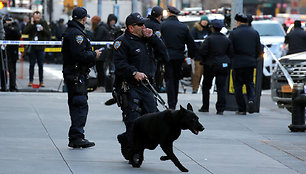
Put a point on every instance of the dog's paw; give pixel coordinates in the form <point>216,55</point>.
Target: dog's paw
<point>164,158</point>
<point>184,169</point>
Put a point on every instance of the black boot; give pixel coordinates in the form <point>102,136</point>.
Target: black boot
<point>80,143</point>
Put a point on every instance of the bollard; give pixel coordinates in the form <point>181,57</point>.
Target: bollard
<point>298,108</point>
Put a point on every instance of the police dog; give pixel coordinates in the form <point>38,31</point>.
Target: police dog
<point>162,128</point>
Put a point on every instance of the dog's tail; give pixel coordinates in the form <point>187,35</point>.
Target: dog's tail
<point>110,102</point>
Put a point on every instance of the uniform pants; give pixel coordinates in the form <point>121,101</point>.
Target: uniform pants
<point>243,76</point>
<point>173,73</point>
<point>36,55</point>
<point>221,74</point>
<point>78,109</point>
<point>139,101</point>
<point>198,72</point>
<point>3,71</point>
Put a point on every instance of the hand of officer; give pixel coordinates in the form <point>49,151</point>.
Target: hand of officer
<point>140,76</point>
<point>147,32</point>
<point>98,53</point>
<point>32,20</point>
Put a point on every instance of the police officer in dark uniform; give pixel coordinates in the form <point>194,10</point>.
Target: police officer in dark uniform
<point>247,47</point>
<point>153,23</point>
<point>296,39</point>
<point>175,35</point>
<point>215,52</point>
<point>78,57</point>
<point>134,62</point>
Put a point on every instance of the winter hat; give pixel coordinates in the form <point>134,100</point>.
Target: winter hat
<point>204,17</point>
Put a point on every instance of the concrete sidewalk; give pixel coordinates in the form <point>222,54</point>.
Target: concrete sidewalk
<point>34,126</point>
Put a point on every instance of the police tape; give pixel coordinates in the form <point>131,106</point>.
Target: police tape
<point>15,42</point>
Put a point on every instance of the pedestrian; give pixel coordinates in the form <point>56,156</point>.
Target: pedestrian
<point>296,39</point>
<point>78,57</point>
<point>247,48</point>
<point>199,32</point>
<point>60,28</point>
<point>106,32</point>
<point>215,52</point>
<point>24,22</point>
<point>3,68</point>
<point>38,30</point>
<point>153,22</point>
<point>134,62</point>
<point>12,32</point>
<point>175,35</point>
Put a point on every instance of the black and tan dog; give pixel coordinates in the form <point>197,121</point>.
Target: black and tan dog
<point>162,128</point>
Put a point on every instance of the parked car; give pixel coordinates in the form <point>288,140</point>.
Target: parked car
<point>295,65</point>
<point>272,35</point>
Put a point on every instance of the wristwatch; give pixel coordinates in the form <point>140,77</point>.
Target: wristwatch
<point>134,73</point>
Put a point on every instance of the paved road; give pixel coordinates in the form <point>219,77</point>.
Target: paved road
<point>34,126</point>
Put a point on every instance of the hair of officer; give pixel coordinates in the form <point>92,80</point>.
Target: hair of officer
<point>297,24</point>
<point>36,12</point>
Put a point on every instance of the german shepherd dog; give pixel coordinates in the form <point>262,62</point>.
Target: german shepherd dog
<point>162,128</point>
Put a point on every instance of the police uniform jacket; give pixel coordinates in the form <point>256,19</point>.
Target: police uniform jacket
<point>246,46</point>
<point>175,35</point>
<point>216,50</point>
<point>296,41</point>
<point>76,48</point>
<point>12,32</point>
<point>134,54</point>
<point>153,24</point>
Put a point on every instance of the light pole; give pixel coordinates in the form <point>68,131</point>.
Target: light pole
<point>237,7</point>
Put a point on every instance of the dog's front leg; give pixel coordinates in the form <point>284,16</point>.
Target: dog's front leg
<point>168,149</point>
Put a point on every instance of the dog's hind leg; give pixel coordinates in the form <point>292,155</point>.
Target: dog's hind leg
<point>168,149</point>
<point>164,158</point>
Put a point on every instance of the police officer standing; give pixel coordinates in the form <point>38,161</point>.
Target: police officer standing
<point>175,35</point>
<point>153,23</point>
<point>78,57</point>
<point>247,47</point>
<point>296,39</point>
<point>134,62</point>
<point>215,52</point>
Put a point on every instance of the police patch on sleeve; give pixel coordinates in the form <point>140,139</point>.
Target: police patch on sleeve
<point>117,44</point>
<point>158,34</point>
<point>79,39</point>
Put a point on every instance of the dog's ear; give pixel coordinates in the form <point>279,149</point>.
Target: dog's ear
<point>189,107</point>
<point>181,108</point>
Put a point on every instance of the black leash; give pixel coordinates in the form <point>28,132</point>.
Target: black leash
<point>149,86</point>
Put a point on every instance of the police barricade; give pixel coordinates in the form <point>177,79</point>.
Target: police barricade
<point>51,46</point>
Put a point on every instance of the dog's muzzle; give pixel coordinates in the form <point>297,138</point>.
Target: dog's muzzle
<point>197,129</point>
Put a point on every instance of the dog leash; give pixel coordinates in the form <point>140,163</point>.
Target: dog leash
<point>149,86</point>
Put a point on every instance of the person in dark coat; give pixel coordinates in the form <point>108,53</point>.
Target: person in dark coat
<point>134,62</point>
<point>153,22</point>
<point>296,39</point>
<point>38,30</point>
<point>78,57</point>
<point>215,52</point>
<point>12,32</point>
<point>175,35</point>
<point>199,32</point>
<point>247,48</point>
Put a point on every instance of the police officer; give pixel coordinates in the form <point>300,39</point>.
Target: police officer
<point>78,57</point>
<point>134,61</point>
<point>296,39</point>
<point>215,52</point>
<point>153,22</point>
<point>175,35</point>
<point>247,47</point>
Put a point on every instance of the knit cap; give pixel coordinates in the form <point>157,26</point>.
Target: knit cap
<point>204,17</point>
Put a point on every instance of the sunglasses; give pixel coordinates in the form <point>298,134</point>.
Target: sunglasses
<point>140,24</point>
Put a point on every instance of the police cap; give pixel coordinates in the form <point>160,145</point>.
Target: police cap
<point>156,11</point>
<point>216,24</point>
<point>79,13</point>
<point>173,10</point>
<point>241,18</point>
<point>134,18</point>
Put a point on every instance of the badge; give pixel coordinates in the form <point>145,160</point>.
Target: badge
<point>79,39</point>
<point>158,34</point>
<point>117,44</point>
